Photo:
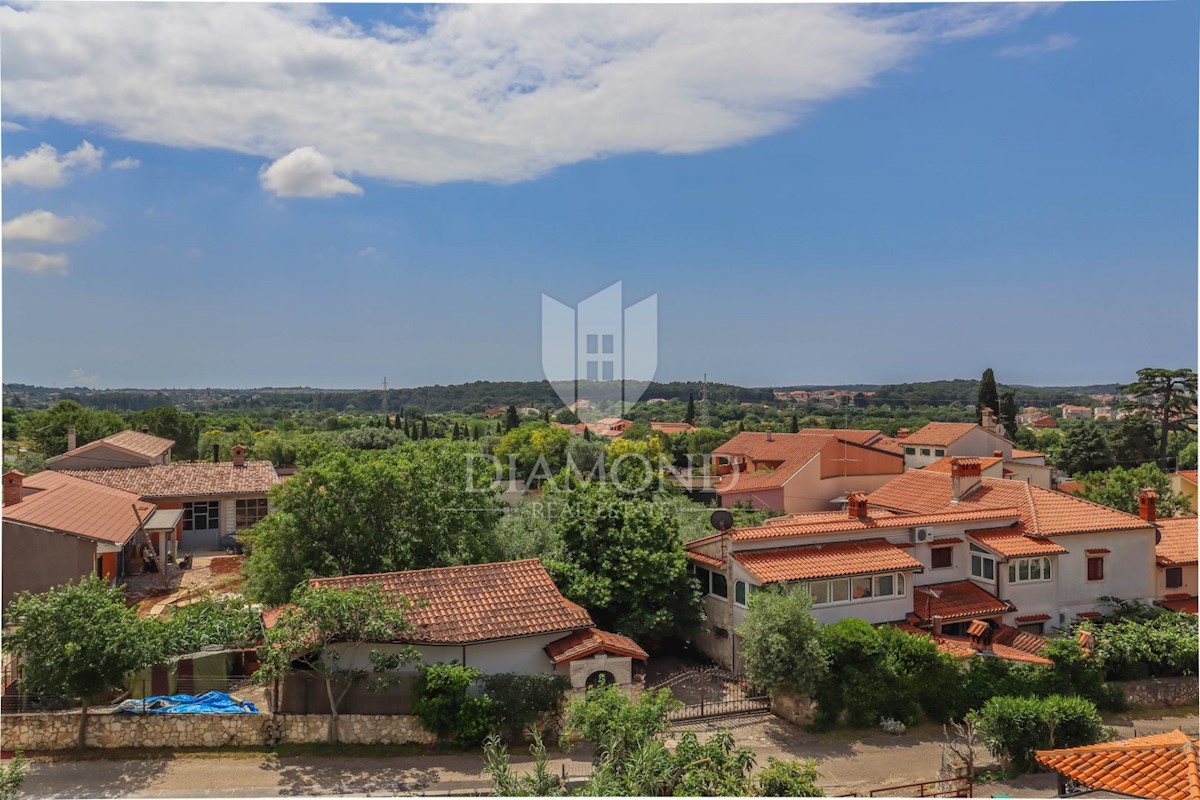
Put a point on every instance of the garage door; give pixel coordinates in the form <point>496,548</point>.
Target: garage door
<point>201,525</point>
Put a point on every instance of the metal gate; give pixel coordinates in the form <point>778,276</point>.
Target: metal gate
<point>713,692</point>
<point>942,787</point>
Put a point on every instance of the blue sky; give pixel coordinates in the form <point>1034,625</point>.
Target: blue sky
<point>829,195</point>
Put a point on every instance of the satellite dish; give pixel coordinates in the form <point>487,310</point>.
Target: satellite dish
<point>721,519</point>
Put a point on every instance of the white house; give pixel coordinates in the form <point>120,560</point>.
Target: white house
<point>939,439</point>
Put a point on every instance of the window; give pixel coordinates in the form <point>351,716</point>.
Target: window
<point>720,586</point>
<point>202,516</point>
<point>739,592</point>
<point>250,511</point>
<point>702,575</point>
<point>942,557</point>
<point>912,451</point>
<point>1025,570</point>
<point>608,343</point>
<point>939,452</point>
<point>1095,568</point>
<point>599,368</point>
<point>983,565</point>
<point>593,345</point>
<point>924,451</point>
<point>1174,577</point>
<point>866,587</point>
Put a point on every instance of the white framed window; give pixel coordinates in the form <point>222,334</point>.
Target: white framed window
<point>924,451</point>
<point>203,515</point>
<point>1029,570</point>
<point>742,592</point>
<point>862,587</point>
<point>249,511</point>
<point>939,453</point>
<point>983,564</point>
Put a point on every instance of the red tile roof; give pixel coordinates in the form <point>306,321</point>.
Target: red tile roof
<point>1188,474</point>
<point>196,479</point>
<point>943,464</point>
<point>1033,618</point>
<point>940,434</point>
<point>1043,512</point>
<point>671,427</point>
<point>961,647</point>
<point>706,560</point>
<point>1022,454</point>
<point>809,562</point>
<point>589,641</point>
<point>838,522</point>
<point>78,507</point>
<point>1177,545</point>
<point>957,600</point>
<point>1165,766</point>
<point>1184,605</point>
<point>1012,542</point>
<point>785,453</point>
<point>142,444</point>
<point>476,603</point>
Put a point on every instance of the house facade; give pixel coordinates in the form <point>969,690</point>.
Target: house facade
<point>1184,482</point>
<point>1177,584</point>
<point>931,549</point>
<point>798,472</point>
<point>939,440</point>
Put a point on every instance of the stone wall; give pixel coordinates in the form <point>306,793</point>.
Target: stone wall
<point>796,710</point>
<point>1159,692</point>
<point>59,731</point>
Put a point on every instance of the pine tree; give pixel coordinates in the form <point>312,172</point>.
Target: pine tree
<point>690,416</point>
<point>1008,413</point>
<point>988,396</point>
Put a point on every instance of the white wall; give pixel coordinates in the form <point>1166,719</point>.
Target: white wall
<point>1129,570</point>
<point>1190,582</point>
<point>524,656</point>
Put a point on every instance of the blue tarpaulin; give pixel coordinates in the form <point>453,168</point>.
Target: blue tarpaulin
<point>207,703</point>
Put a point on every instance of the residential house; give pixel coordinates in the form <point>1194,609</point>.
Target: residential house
<point>1162,766</point>
<point>794,472</point>
<point>1103,412</point>
<point>610,427</point>
<point>996,466</point>
<point>1044,421</point>
<point>1029,414</point>
<point>1184,482</point>
<point>124,449</point>
<point>874,439</point>
<point>671,428</point>
<point>216,498</point>
<point>933,549</point>
<point>58,529</point>
<point>1175,556</point>
<point>506,617</point>
<point>940,439</point>
<point>1075,412</point>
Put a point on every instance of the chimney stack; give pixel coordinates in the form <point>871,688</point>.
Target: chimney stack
<point>965,477</point>
<point>145,429</point>
<point>12,487</point>
<point>980,633</point>
<point>988,417</point>
<point>216,453</point>
<point>856,505</point>
<point>70,439</point>
<point>239,455</point>
<point>903,433</point>
<point>937,624</point>
<point>1148,504</point>
<point>770,436</point>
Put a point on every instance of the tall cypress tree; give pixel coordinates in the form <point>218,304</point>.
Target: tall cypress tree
<point>988,396</point>
<point>511,418</point>
<point>1008,412</point>
<point>690,416</point>
<point>424,429</point>
<point>794,427</point>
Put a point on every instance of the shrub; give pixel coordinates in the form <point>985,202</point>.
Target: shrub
<point>444,703</point>
<point>789,779</point>
<point>520,701</point>
<point>607,717</point>
<point>1145,644</point>
<point>1012,728</point>
<point>781,641</point>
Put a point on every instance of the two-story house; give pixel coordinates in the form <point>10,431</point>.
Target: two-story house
<point>938,440</point>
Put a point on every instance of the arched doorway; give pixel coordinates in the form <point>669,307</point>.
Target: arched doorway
<point>601,676</point>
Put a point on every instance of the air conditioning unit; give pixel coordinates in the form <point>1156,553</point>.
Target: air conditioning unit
<point>920,535</point>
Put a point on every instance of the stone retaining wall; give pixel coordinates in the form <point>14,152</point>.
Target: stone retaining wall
<point>1159,692</point>
<point>59,731</point>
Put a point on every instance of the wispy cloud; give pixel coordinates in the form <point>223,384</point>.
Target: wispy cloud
<point>368,251</point>
<point>495,93</point>
<point>125,163</point>
<point>1052,43</point>
<point>37,263</point>
<point>80,377</point>
<point>12,126</point>
<point>47,227</point>
<point>45,168</point>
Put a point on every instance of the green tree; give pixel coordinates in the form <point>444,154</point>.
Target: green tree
<point>512,419</point>
<point>1012,728</point>
<point>690,415</point>
<point>1008,413</point>
<point>780,641</point>
<point>1133,440</point>
<point>624,561</point>
<point>46,431</point>
<point>794,425</point>
<point>226,621</point>
<point>323,628</point>
<point>1084,449</point>
<point>528,531</point>
<point>79,640</point>
<point>606,717</point>
<point>1119,488</point>
<point>989,397</point>
<point>424,504</point>
<point>171,423</point>
<point>789,779</point>
<point>1167,395</point>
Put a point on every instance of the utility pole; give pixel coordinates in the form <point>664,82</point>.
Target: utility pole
<point>385,401</point>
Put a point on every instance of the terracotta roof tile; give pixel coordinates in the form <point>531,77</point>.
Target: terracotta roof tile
<point>837,522</point>
<point>1013,543</point>
<point>944,464</point>
<point>1043,512</point>
<point>78,507</point>
<point>589,641</point>
<point>1188,474</point>
<point>1008,636</point>
<point>956,600</point>
<point>1177,545</point>
<point>1161,767</point>
<point>706,560</point>
<point>1018,455</point>
<point>961,647</point>
<point>142,444</point>
<point>1033,618</point>
<point>476,603</point>
<point>187,479</point>
<point>940,434</point>
<point>1184,605</point>
<point>837,559</point>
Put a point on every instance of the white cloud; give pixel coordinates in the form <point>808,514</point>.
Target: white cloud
<point>37,263</point>
<point>81,378</point>
<point>368,251</point>
<point>304,173</point>
<point>493,93</point>
<point>12,126</point>
<point>125,163</point>
<point>45,168</point>
<point>1052,43</point>
<point>46,226</point>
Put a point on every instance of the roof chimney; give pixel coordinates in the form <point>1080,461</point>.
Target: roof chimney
<point>937,624</point>
<point>239,455</point>
<point>903,433</point>
<point>770,436</point>
<point>980,633</point>
<point>997,454</point>
<point>12,487</point>
<point>964,477</point>
<point>70,439</point>
<point>1087,641</point>
<point>988,419</point>
<point>856,505</point>
<point>1148,504</point>
<point>145,429</point>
